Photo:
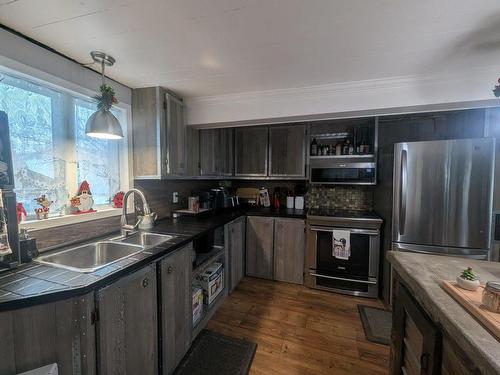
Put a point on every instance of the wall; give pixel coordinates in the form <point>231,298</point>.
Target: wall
<point>22,56</point>
<point>406,94</point>
<point>340,197</point>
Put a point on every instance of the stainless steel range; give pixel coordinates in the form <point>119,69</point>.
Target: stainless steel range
<point>343,249</point>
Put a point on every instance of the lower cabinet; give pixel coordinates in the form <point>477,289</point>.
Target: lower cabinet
<point>455,362</point>
<point>416,341</point>
<point>58,332</point>
<point>127,333</point>
<point>289,250</point>
<point>235,242</point>
<point>176,307</point>
<point>275,248</point>
<point>259,244</point>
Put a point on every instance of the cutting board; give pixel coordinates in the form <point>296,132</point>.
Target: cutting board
<point>471,301</point>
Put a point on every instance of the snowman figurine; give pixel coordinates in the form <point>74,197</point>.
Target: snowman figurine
<point>83,200</point>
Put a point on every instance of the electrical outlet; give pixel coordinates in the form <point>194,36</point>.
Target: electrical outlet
<point>175,197</point>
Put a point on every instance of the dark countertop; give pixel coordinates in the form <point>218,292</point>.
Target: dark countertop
<point>34,283</point>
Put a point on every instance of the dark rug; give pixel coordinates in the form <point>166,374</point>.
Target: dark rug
<point>216,354</point>
<point>377,324</point>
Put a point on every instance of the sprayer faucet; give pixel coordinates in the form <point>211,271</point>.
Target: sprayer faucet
<point>125,227</point>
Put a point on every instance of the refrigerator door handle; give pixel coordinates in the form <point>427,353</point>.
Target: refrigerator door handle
<point>403,191</point>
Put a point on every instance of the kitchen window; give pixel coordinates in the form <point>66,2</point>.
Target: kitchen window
<point>52,154</point>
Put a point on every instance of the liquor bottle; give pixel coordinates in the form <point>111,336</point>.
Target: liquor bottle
<point>314,147</point>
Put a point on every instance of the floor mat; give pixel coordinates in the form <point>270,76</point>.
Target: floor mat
<point>377,324</point>
<point>216,354</point>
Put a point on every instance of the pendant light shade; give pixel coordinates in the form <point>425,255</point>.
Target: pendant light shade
<point>102,123</point>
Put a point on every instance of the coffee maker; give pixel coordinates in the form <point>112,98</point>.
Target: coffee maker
<point>9,235</point>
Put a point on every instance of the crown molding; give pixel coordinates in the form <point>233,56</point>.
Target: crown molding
<point>451,89</point>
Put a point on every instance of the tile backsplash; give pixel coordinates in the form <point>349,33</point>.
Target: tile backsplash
<point>341,197</point>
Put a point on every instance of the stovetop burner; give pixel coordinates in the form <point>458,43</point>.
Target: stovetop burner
<point>354,214</point>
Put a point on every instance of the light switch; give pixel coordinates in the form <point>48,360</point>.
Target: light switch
<point>175,197</point>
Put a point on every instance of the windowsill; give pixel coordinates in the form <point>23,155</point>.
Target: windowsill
<point>70,219</point>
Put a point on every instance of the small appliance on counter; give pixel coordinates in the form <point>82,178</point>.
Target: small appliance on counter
<point>9,236</point>
<point>223,199</point>
<point>248,196</point>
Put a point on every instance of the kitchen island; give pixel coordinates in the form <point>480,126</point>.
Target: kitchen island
<point>429,324</point>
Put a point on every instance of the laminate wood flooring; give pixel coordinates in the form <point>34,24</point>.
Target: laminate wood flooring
<point>300,331</point>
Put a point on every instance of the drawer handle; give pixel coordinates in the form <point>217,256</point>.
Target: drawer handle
<point>145,282</point>
<point>170,269</point>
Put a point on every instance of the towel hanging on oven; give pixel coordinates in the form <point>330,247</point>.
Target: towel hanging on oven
<point>341,244</point>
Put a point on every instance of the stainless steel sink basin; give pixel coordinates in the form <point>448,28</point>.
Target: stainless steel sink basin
<point>90,257</point>
<point>145,239</point>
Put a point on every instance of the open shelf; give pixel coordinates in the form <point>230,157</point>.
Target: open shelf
<point>209,312</point>
<point>205,259</point>
<point>357,156</point>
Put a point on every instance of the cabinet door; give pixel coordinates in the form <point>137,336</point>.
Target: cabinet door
<point>146,132</point>
<point>259,249</point>
<point>225,152</point>
<point>251,151</point>
<point>235,240</point>
<point>289,250</point>
<point>208,152</point>
<point>127,329</point>
<point>192,151</point>
<point>58,332</point>
<point>287,150</point>
<point>175,131</point>
<point>455,362</point>
<point>415,343</point>
<point>176,310</point>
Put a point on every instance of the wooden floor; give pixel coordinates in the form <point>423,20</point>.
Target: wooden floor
<point>300,330</point>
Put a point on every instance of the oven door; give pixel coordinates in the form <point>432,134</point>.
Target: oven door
<point>358,274</point>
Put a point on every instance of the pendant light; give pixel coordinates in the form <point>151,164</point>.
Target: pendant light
<point>102,123</point>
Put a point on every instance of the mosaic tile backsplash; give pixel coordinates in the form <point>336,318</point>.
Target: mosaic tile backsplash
<point>340,197</point>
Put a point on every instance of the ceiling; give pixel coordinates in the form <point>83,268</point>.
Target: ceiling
<point>204,48</point>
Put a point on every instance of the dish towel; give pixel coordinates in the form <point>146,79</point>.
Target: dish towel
<point>341,244</point>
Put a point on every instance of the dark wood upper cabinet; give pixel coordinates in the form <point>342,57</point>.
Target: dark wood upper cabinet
<point>217,152</point>
<point>159,134</point>
<point>287,150</point>
<point>251,151</point>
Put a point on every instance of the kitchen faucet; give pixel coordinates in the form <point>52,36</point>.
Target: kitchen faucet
<point>125,227</point>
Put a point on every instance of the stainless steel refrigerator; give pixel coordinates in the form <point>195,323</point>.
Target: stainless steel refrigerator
<point>443,196</point>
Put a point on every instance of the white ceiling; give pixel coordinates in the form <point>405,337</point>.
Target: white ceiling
<point>215,47</point>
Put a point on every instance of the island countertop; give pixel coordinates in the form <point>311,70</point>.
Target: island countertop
<point>423,275</point>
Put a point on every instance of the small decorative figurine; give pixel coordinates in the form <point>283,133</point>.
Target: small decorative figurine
<point>43,211</point>
<point>83,200</point>
<point>21,212</point>
<point>118,200</point>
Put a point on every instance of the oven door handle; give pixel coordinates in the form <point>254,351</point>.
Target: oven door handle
<point>352,230</point>
<point>343,279</point>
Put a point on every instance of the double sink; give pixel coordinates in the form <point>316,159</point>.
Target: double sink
<point>93,256</point>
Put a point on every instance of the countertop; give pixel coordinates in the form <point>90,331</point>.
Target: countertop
<point>423,275</point>
<point>34,283</point>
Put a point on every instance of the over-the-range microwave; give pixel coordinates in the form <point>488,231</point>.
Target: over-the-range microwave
<point>343,171</point>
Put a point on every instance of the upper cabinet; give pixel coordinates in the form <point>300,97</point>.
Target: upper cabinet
<point>159,134</point>
<point>216,152</point>
<point>287,151</point>
<point>251,151</point>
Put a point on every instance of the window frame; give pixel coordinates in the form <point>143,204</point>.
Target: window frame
<point>69,99</point>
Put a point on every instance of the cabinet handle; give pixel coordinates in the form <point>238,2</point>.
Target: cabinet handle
<point>145,282</point>
<point>170,269</point>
